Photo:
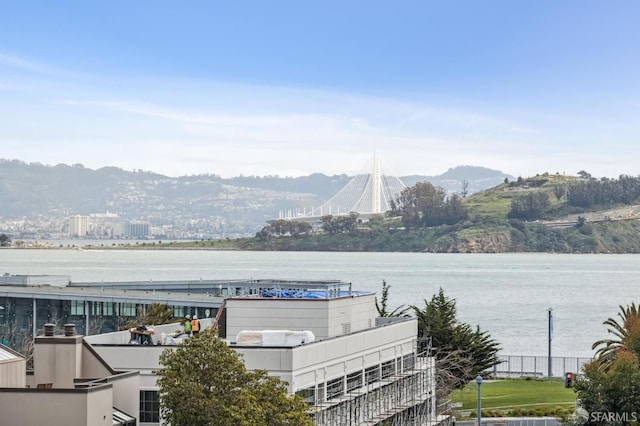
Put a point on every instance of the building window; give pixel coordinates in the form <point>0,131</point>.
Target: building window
<point>354,381</point>
<point>308,394</point>
<point>101,308</point>
<point>372,374</point>
<point>178,311</point>
<point>408,362</point>
<point>335,388</point>
<point>149,407</point>
<point>128,309</point>
<point>321,393</point>
<point>77,307</point>
<point>388,368</point>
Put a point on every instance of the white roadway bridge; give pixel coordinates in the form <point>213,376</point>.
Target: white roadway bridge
<point>369,193</point>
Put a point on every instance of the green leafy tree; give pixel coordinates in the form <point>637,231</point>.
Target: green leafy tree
<point>281,227</point>
<point>426,205</point>
<point>530,206</point>
<point>204,382</point>
<point>615,391</point>
<point>340,224</point>
<point>400,311</point>
<point>467,351</point>
<point>559,191</point>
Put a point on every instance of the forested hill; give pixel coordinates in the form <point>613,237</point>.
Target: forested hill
<point>545,213</point>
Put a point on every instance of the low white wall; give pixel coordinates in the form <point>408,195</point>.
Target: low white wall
<point>324,317</point>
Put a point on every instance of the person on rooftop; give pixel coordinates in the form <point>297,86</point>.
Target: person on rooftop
<point>187,325</point>
<point>195,325</point>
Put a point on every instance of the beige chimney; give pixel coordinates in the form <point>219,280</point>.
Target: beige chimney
<point>57,359</point>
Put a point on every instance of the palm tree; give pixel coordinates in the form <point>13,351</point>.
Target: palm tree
<point>155,314</point>
<point>627,337</point>
<point>400,311</point>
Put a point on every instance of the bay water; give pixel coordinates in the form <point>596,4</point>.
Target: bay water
<point>508,295</point>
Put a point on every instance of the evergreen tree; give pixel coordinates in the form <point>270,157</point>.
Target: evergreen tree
<point>462,351</point>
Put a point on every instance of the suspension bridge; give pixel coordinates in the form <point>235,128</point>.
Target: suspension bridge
<point>368,193</point>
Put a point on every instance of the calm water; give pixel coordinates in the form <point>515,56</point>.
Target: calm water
<point>506,294</point>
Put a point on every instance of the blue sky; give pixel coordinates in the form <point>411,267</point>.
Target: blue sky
<point>292,88</point>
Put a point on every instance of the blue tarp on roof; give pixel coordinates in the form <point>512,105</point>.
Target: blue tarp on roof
<point>303,294</point>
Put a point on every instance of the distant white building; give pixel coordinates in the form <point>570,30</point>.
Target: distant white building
<point>105,225</point>
<point>137,229</point>
<point>78,225</point>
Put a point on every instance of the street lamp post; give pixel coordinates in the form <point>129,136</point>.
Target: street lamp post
<point>550,336</point>
<point>479,382</point>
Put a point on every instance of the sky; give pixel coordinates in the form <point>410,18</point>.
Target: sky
<point>290,88</point>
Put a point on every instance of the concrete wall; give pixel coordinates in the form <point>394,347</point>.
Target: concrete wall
<point>13,370</point>
<point>352,313</point>
<point>92,365</point>
<point>126,393</point>
<point>134,357</point>
<point>57,360</point>
<point>57,407</point>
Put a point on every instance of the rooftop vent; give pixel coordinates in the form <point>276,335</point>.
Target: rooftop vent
<point>69,329</point>
<point>49,329</point>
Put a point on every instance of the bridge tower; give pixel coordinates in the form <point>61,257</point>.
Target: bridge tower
<point>367,193</point>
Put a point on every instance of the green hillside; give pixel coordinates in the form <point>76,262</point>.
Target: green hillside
<point>544,213</point>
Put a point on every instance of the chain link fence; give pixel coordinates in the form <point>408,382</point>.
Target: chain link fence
<point>536,366</point>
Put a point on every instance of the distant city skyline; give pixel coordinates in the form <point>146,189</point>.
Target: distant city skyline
<point>293,88</point>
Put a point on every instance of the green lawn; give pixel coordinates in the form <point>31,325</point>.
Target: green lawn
<point>517,397</point>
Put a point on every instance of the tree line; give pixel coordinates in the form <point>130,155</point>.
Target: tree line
<point>585,193</point>
<point>591,192</point>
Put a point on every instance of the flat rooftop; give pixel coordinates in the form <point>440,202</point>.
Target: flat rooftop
<point>193,292</point>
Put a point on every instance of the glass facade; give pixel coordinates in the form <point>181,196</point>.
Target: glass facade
<point>17,317</point>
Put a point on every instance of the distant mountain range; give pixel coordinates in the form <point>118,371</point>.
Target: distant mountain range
<point>208,205</point>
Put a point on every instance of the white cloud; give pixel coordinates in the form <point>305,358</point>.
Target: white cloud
<point>188,127</point>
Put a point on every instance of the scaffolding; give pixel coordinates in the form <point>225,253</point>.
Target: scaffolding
<point>405,397</point>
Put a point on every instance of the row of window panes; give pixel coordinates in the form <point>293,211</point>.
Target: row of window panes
<point>354,380</point>
<point>77,307</point>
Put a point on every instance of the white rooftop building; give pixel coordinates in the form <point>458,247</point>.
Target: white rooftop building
<point>323,339</point>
